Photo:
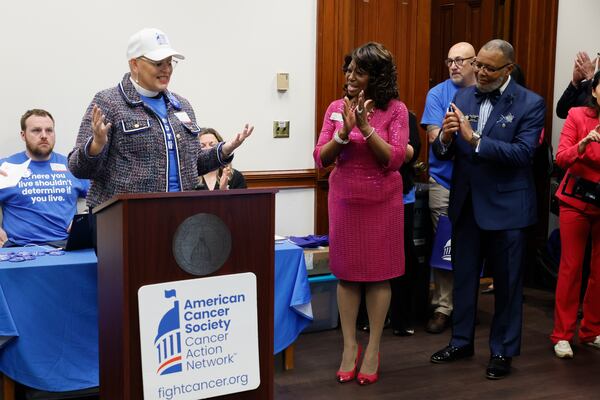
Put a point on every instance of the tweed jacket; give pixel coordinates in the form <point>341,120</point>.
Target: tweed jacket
<point>135,158</point>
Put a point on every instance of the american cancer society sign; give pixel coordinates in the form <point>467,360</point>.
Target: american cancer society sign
<point>199,337</point>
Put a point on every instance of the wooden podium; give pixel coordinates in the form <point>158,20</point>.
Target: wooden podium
<point>135,241</point>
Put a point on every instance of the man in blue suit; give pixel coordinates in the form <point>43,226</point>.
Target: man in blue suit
<point>491,133</point>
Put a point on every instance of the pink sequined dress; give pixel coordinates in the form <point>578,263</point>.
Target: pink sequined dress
<point>366,214</point>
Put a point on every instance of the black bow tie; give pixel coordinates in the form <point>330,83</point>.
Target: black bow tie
<point>493,96</point>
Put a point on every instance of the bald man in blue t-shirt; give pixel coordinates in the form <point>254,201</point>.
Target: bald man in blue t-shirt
<point>438,99</point>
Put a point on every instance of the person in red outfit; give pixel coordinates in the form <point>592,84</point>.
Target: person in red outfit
<point>579,195</point>
<point>365,135</point>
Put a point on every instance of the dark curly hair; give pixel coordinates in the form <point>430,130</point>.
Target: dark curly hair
<point>377,62</point>
<point>592,101</point>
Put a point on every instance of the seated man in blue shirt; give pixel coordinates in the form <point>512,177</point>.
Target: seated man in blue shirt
<point>40,208</point>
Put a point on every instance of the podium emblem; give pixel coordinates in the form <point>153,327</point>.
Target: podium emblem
<point>201,244</point>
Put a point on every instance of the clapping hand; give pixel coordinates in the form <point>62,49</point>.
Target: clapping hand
<point>231,145</point>
<point>455,121</point>
<point>349,117</point>
<point>592,136</point>
<point>225,177</point>
<point>356,115</point>
<point>583,67</point>
<point>362,110</point>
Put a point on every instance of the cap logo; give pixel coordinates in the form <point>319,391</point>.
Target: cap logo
<point>161,39</point>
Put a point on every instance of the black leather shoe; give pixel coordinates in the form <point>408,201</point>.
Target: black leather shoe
<point>451,353</point>
<point>498,368</point>
<point>403,332</point>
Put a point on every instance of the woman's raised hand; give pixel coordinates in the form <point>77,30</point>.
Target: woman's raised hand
<point>592,136</point>
<point>362,110</point>
<point>237,141</point>
<point>349,117</point>
<point>100,129</point>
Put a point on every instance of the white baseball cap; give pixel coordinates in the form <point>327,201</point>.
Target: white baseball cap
<point>151,43</point>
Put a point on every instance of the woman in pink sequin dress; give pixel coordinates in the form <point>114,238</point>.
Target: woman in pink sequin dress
<point>365,135</point>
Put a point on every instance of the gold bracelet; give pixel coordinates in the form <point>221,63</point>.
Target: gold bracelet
<point>370,133</point>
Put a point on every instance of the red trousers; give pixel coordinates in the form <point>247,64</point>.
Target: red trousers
<point>575,227</point>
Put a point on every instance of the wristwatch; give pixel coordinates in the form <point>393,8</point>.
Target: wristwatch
<point>475,139</point>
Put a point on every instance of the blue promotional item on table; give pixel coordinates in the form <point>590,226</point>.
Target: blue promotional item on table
<point>310,240</point>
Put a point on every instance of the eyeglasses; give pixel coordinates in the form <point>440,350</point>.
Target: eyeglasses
<point>477,66</point>
<point>458,61</point>
<point>172,62</point>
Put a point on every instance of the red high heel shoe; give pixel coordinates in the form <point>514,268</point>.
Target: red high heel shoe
<point>347,376</point>
<point>366,379</point>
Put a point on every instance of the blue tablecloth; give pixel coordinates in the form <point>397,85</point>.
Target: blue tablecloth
<point>293,310</point>
<point>52,301</point>
<point>49,308</point>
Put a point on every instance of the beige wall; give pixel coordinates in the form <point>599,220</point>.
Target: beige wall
<point>577,31</point>
<point>57,54</point>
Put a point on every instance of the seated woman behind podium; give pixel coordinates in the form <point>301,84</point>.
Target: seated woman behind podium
<point>222,178</point>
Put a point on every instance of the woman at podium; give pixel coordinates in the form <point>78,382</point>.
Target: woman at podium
<point>140,137</point>
<point>365,136</point>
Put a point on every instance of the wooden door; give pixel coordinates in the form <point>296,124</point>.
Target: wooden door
<point>473,21</point>
<point>342,25</point>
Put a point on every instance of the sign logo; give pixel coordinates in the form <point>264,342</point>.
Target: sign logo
<point>168,339</point>
<point>447,255</point>
<point>199,337</point>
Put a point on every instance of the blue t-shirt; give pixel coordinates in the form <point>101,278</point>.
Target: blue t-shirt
<point>160,108</point>
<point>41,206</point>
<point>436,105</point>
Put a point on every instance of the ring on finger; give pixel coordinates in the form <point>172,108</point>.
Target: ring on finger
<point>359,110</point>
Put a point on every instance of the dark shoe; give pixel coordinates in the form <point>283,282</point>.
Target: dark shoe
<point>438,323</point>
<point>498,368</point>
<point>451,353</point>
<point>403,332</point>
<point>364,326</point>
